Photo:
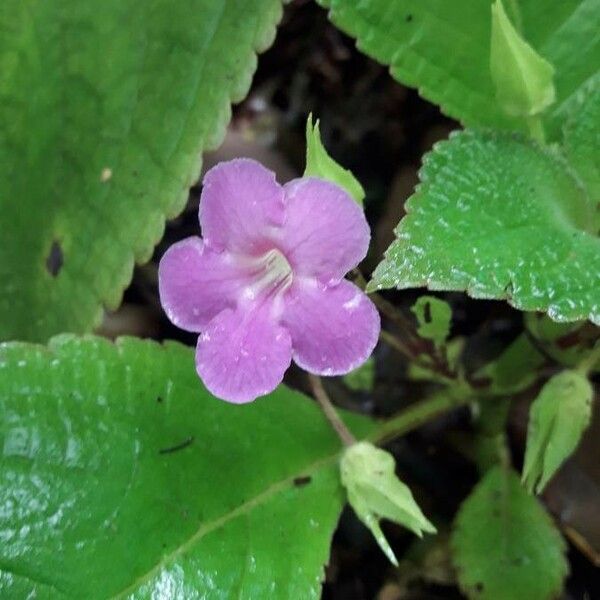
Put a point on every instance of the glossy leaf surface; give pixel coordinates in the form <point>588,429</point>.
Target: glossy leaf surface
<point>499,217</point>
<point>505,545</point>
<point>122,477</point>
<point>443,49</point>
<point>105,110</point>
<point>582,140</point>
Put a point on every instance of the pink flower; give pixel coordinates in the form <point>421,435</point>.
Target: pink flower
<point>265,283</point>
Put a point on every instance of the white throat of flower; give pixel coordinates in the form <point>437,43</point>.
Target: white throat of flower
<point>273,275</point>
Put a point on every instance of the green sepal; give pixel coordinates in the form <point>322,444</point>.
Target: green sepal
<point>523,79</point>
<point>375,493</point>
<point>320,164</point>
<point>557,419</point>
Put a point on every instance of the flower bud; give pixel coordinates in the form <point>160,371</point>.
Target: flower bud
<point>523,79</point>
<point>375,493</point>
<point>557,419</point>
<point>320,164</point>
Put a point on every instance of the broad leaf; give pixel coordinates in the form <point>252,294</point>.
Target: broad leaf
<point>504,544</point>
<point>105,108</point>
<point>123,477</point>
<point>500,218</point>
<point>557,419</point>
<point>582,139</point>
<point>443,49</point>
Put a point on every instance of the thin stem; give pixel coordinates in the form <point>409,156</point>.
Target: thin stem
<point>442,374</point>
<point>328,409</point>
<point>414,346</point>
<point>390,311</point>
<point>418,414</point>
<point>394,342</point>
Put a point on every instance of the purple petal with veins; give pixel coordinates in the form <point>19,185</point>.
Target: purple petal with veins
<point>265,283</point>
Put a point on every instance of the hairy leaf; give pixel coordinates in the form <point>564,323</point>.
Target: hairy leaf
<point>105,108</point>
<point>504,544</point>
<point>582,140</point>
<point>500,218</point>
<point>443,49</point>
<point>121,476</point>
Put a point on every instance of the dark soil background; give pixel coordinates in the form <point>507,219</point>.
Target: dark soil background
<point>380,130</point>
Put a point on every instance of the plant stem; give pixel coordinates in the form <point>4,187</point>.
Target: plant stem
<point>394,342</point>
<point>414,346</point>
<point>395,315</point>
<point>329,410</point>
<point>418,414</point>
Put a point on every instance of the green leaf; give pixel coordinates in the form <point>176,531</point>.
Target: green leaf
<point>557,419</point>
<point>320,164</point>
<point>375,493</point>
<point>443,49</point>
<point>523,79</point>
<point>121,476</point>
<point>434,318</point>
<point>504,544</point>
<point>105,110</point>
<point>500,218</point>
<point>582,139</point>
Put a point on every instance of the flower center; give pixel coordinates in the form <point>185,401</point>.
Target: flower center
<point>273,274</point>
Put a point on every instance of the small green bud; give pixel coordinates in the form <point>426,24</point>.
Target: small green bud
<point>375,493</point>
<point>557,419</point>
<point>320,164</point>
<point>523,79</point>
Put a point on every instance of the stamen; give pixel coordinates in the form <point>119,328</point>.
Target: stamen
<point>273,275</point>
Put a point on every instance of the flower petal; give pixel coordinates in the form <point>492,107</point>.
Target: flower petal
<point>325,232</point>
<point>243,354</point>
<point>195,284</point>
<point>240,205</point>
<point>334,329</point>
